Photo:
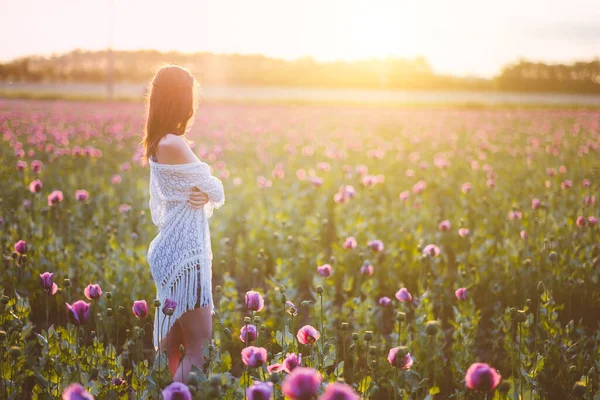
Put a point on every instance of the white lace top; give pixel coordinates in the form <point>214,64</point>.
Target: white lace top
<point>182,247</point>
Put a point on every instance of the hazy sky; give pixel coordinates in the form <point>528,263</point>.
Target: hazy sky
<point>455,36</point>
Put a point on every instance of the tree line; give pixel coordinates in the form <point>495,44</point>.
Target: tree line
<point>258,70</point>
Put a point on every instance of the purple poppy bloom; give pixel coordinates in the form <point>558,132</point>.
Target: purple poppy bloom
<point>76,392</point>
<point>248,333</point>
<point>92,291</point>
<point>254,301</point>
<point>482,377</point>
<point>140,309</point>
<point>302,383</point>
<point>339,391</point>
<point>254,357</point>
<point>177,391</point>
<point>260,391</point>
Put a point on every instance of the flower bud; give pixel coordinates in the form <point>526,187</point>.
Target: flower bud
<point>193,378</point>
<point>141,333</point>
<point>521,316</point>
<point>344,326</point>
<point>368,336</point>
<point>372,350</point>
<point>15,351</point>
<point>553,257</point>
<point>263,328</point>
<point>332,260</point>
<point>275,378</point>
<point>400,316</point>
<point>228,334</point>
<point>579,390</point>
<point>216,381</point>
<point>108,295</point>
<point>4,300</point>
<point>528,303</point>
<point>527,263</point>
<point>432,328</point>
<point>355,336</point>
<point>121,309</point>
<point>320,289</point>
<point>170,312</point>
<point>157,303</point>
<point>513,313</point>
<point>256,320</point>
<point>109,312</point>
<point>93,334</point>
<point>67,282</point>
<point>127,332</point>
<point>541,288</point>
<point>2,336</point>
<point>247,320</point>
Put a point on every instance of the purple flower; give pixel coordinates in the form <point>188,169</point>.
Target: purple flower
<point>177,391</point>
<point>248,333</point>
<point>403,295</point>
<point>308,335</point>
<point>169,303</point>
<point>366,269</point>
<point>92,291</point>
<point>254,357</point>
<point>399,357</point>
<point>302,383</point>
<point>375,245</point>
<point>140,309</point>
<point>482,377</point>
<point>324,270</point>
<point>260,391</point>
<point>461,293</point>
<point>21,247</point>
<point>339,391</point>
<point>76,392</point>
<point>46,281</point>
<point>254,301</point>
<point>385,301</point>
<point>81,195</point>
<point>292,360</point>
<point>79,312</point>
<point>350,243</point>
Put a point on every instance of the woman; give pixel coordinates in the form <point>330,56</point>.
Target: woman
<point>183,194</point>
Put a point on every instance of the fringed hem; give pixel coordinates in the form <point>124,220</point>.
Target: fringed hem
<point>183,288</point>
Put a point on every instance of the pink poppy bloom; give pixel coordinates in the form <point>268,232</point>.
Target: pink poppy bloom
<point>482,377</point>
<point>125,166</point>
<point>308,335</point>
<point>562,169</point>
<point>366,269</point>
<point>35,186</point>
<point>589,200</point>
<point>46,281</point>
<point>463,232</point>
<point>260,391</point>
<point>177,391</point>
<point>491,183</point>
<point>403,295</point>
<point>124,208</point>
<point>567,184</point>
<point>550,171</point>
<point>445,226</point>
<point>523,235</point>
<point>140,309</point>
<point>350,243</point>
<point>431,250</point>
<point>324,270</point>
<point>81,195</point>
<point>385,301</point>
<point>375,245</point>
<point>581,222</point>
<point>254,301</point>
<point>419,187</point>
<point>461,293</point>
<point>466,187</point>
<point>316,181</point>
<point>548,184</point>
<point>302,383</point>
<point>26,204</point>
<point>404,195</point>
<point>76,392</point>
<point>168,304</point>
<point>593,220</point>
<point>399,361</point>
<point>237,181</point>
<point>586,183</point>
<point>36,166</point>
<point>21,165</point>
<point>535,204</point>
<point>513,215</point>
<point>92,291</point>
<point>55,197</point>
<point>248,333</point>
<point>254,357</point>
<point>21,247</point>
<point>275,368</point>
<point>339,391</point>
<point>301,174</point>
<point>115,179</point>
<point>79,312</point>
<point>410,173</point>
<point>292,360</point>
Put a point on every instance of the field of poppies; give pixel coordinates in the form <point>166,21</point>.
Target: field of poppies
<point>376,253</point>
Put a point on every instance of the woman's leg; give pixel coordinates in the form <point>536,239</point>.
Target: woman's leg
<point>196,325</point>
<point>176,339</point>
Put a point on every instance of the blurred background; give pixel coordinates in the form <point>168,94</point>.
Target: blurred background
<point>379,51</point>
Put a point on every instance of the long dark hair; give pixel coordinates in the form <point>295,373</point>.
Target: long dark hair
<point>170,106</point>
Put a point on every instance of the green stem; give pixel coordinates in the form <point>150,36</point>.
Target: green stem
<point>519,365</point>
<point>77,353</point>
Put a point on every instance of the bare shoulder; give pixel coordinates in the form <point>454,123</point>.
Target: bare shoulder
<point>173,149</point>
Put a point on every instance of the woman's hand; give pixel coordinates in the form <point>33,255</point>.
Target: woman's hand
<point>198,198</point>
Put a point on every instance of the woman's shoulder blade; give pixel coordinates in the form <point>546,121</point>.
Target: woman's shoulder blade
<point>174,150</point>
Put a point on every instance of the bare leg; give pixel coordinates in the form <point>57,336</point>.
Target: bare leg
<point>176,338</point>
<point>197,328</point>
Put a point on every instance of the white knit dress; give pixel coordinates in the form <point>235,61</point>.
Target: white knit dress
<point>182,247</point>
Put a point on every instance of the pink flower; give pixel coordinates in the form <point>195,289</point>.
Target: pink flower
<point>461,293</point>
<point>586,183</point>
<point>562,169</point>
<point>79,312</point>
<point>35,186</point>
<point>308,335</point>
<point>292,360</point>
<point>366,269</point>
<point>115,179</point>
<point>466,187</point>
<point>593,220</point>
<point>92,291</point>
<point>463,232</point>
<point>419,187</point>
<point>303,383</point>
<point>275,368</point>
<point>482,377</point>
<point>375,245</point>
<point>55,197</point>
<point>140,309</point>
<point>404,195</point>
<point>125,166</point>
<point>124,208</point>
<point>324,270</point>
<point>445,226</point>
<point>254,301</point>
<point>81,195</point>
<point>550,171</point>
<point>291,308</point>
<point>350,243</point>
<point>431,250</point>
<point>512,215</point>
<point>46,281</point>
<point>567,184</point>
<point>523,235</point>
<point>21,247</point>
<point>403,295</point>
<point>581,222</point>
<point>589,200</point>
<point>169,304</point>
<point>177,391</point>
<point>491,183</point>
<point>254,357</point>
<point>36,166</point>
<point>535,204</point>
<point>260,391</point>
<point>76,392</point>
<point>248,333</point>
<point>400,361</point>
<point>339,391</point>
<point>21,165</point>
<point>385,301</point>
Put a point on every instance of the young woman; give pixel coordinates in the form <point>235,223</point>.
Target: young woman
<point>183,194</point>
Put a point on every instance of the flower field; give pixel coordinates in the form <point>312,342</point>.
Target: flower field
<point>377,253</point>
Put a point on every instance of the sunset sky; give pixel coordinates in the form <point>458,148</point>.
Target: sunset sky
<point>464,37</point>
